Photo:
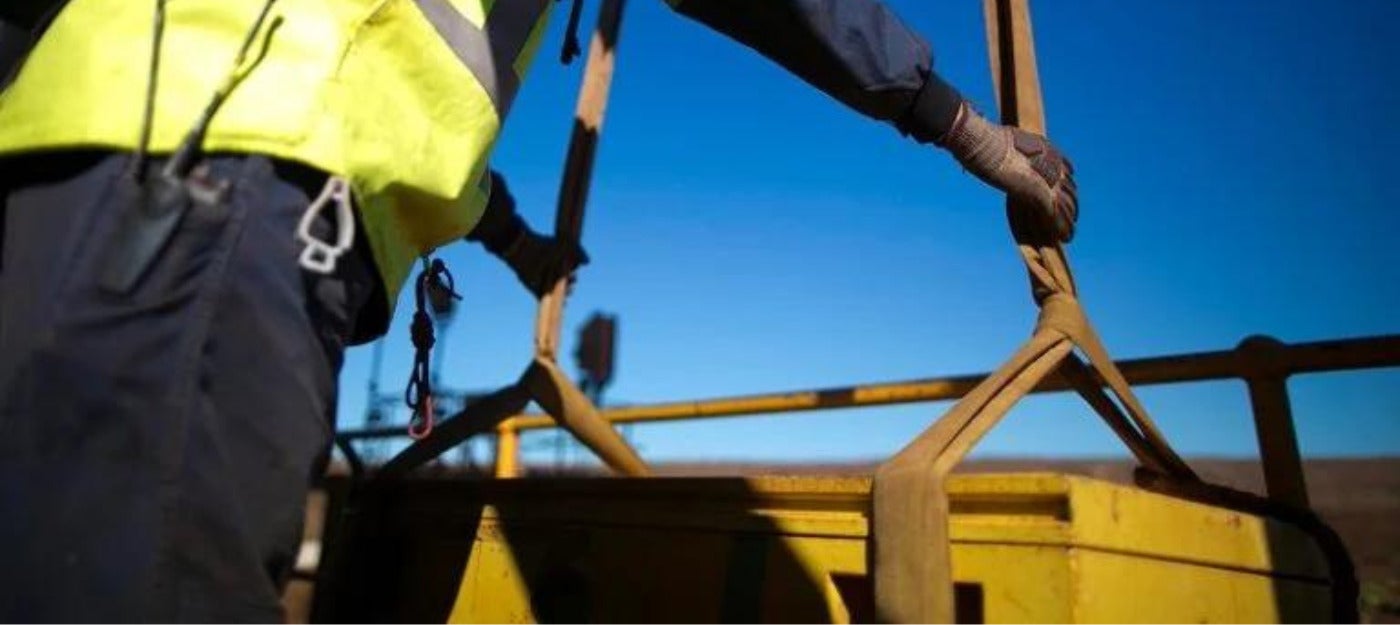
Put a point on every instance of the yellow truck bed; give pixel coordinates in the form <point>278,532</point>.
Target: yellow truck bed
<point>1026,548</point>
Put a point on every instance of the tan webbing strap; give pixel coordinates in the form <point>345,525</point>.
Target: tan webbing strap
<point>911,550</point>
<point>1064,314</point>
<point>578,165</point>
<point>1081,378</point>
<point>930,442</point>
<point>558,396</point>
<point>912,573</point>
<point>1042,281</point>
<point>548,385</point>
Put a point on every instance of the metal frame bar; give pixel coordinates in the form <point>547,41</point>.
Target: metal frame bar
<point>1273,421</point>
<point>1313,357</point>
<point>1349,354</point>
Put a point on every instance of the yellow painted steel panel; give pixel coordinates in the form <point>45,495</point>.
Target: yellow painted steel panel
<point>1114,518</point>
<point>1121,588</point>
<point>1018,583</point>
<point>1026,548</point>
<point>500,596</point>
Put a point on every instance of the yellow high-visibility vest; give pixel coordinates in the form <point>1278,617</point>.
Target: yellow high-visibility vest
<point>403,98</point>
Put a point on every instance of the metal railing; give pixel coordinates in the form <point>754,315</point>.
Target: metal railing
<point>1264,364</point>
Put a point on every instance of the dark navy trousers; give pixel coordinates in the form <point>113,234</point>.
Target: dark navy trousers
<point>156,447</point>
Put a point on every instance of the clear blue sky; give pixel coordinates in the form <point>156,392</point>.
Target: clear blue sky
<point>1237,172</point>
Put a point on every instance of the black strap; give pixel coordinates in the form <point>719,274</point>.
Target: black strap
<point>571,45</point>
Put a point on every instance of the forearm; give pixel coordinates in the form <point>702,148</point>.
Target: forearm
<point>500,225</point>
<point>856,51</point>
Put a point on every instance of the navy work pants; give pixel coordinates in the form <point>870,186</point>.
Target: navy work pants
<point>156,447</point>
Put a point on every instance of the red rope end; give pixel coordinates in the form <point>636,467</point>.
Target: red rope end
<point>419,429</point>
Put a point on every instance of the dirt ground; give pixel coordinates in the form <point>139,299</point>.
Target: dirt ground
<point>1360,498</point>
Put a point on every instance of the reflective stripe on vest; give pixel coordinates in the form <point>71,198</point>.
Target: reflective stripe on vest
<point>490,54</point>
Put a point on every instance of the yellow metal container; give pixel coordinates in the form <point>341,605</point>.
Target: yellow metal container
<point>1026,548</point>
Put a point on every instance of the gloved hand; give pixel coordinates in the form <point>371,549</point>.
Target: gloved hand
<point>540,261</point>
<point>1023,164</point>
<point>537,260</point>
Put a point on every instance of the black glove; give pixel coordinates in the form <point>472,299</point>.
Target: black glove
<point>537,260</point>
<point>1023,164</point>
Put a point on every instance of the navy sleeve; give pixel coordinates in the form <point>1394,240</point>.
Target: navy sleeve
<point>856,51</point>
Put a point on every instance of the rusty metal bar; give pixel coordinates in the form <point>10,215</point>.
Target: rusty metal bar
<point>1273,420</point>
<point>1278,442</point>
<point>873,395</point>
<point>1338,355</point>
<point>1315,357</point>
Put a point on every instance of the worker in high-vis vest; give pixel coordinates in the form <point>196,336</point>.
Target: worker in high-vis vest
<point>205,201</point>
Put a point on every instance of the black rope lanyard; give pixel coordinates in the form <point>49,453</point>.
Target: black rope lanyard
<point>434,284</point>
